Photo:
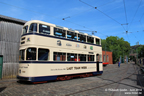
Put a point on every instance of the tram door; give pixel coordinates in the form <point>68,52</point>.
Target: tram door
<point>97,62</point>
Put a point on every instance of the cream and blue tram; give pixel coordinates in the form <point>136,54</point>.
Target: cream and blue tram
<point>51,52</point>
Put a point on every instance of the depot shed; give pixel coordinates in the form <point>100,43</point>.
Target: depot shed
<point>10,32</point>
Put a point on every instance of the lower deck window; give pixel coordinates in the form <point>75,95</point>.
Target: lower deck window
<point>31,54</point>
<point>58,56</point>
<point>90,57</point>
<point>71,57</point>
<point>43,54</point>
<point>82,57</point>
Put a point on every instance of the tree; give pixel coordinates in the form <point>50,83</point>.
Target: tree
<point>117,45</point>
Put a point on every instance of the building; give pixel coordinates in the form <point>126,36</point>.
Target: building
<point>107,57</point>
<point>10,32</point>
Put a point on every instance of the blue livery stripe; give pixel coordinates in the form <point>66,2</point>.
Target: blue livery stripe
<point>58,62</point>
<point>47,78</point>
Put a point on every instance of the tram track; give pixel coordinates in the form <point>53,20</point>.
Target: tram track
<point>81,84</point>
<point>122,78</point>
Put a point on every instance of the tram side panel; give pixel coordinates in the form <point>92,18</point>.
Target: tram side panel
<point>51,71</point>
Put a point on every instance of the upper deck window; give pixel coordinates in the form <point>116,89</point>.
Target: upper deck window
<point>25,28</point>
<point>81,38</point>
<point>33,28</point>
<point>97,41</point>
<point>71,35</point>
<point>44,29</point>
<point>59,33</point>
<point>90,39</point>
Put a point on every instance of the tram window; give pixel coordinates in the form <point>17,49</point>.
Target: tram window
<point>33,28</point>
<point>71,35</point>
<point>44,29</point>
<point>82,57</point>
<point>25,29</point>
<point>58,56</point>
<point>90,39</point>
<point>97,57</point>
<point>31,54</point>
<point>71,57</point>
<point>90,57</point>
<point>59,33</point>
<point>74,36</point>
<point>97,41</point>
<point>43,54</point>
<point>21,54</point>
<point>81,38</point>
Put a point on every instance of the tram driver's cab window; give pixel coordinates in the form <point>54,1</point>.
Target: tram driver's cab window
<point>44,29</point>
<point>21,54</point>
<point>33,28</point>
<point>31,54</point>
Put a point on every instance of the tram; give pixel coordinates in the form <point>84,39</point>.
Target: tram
<point>50,52</point>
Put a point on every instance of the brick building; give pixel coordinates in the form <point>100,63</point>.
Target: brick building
<point>107,57</point>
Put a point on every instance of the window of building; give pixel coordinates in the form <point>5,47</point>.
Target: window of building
<point>71,57</point>
<point>97,41</point>
<point>33,28</point>
<point>107,58</point>
<point>25,28</point>
<point>44,29</point>
<point>104,58</point>
<point>21,54</point>
<point>43,54</point>
<point>31,54</point>
<point>90,39</point>
<point>82,57</point>
<point>59,33</point>
<point>81,38</point>
<point>58,56</point>
<point>90,57</point>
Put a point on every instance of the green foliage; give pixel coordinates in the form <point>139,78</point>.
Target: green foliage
<point>140,51</point>
<point>117,45</point>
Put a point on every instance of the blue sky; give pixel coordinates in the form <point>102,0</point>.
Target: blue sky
<point>106,19</point>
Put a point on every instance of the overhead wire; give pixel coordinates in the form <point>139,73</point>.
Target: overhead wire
<point>43,14</point>
<point>103,13</point>
<point>86,10</point>
<point>125,12</point>
<point>135,14</point>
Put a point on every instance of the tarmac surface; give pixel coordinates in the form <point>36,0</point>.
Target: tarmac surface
<point>125,80</point>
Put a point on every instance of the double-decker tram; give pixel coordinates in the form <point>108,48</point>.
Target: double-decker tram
<point>51,52</point>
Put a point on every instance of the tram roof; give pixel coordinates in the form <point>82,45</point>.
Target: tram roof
<point>53,25</point>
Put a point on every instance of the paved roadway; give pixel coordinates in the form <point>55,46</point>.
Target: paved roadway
<point>123,81</point>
